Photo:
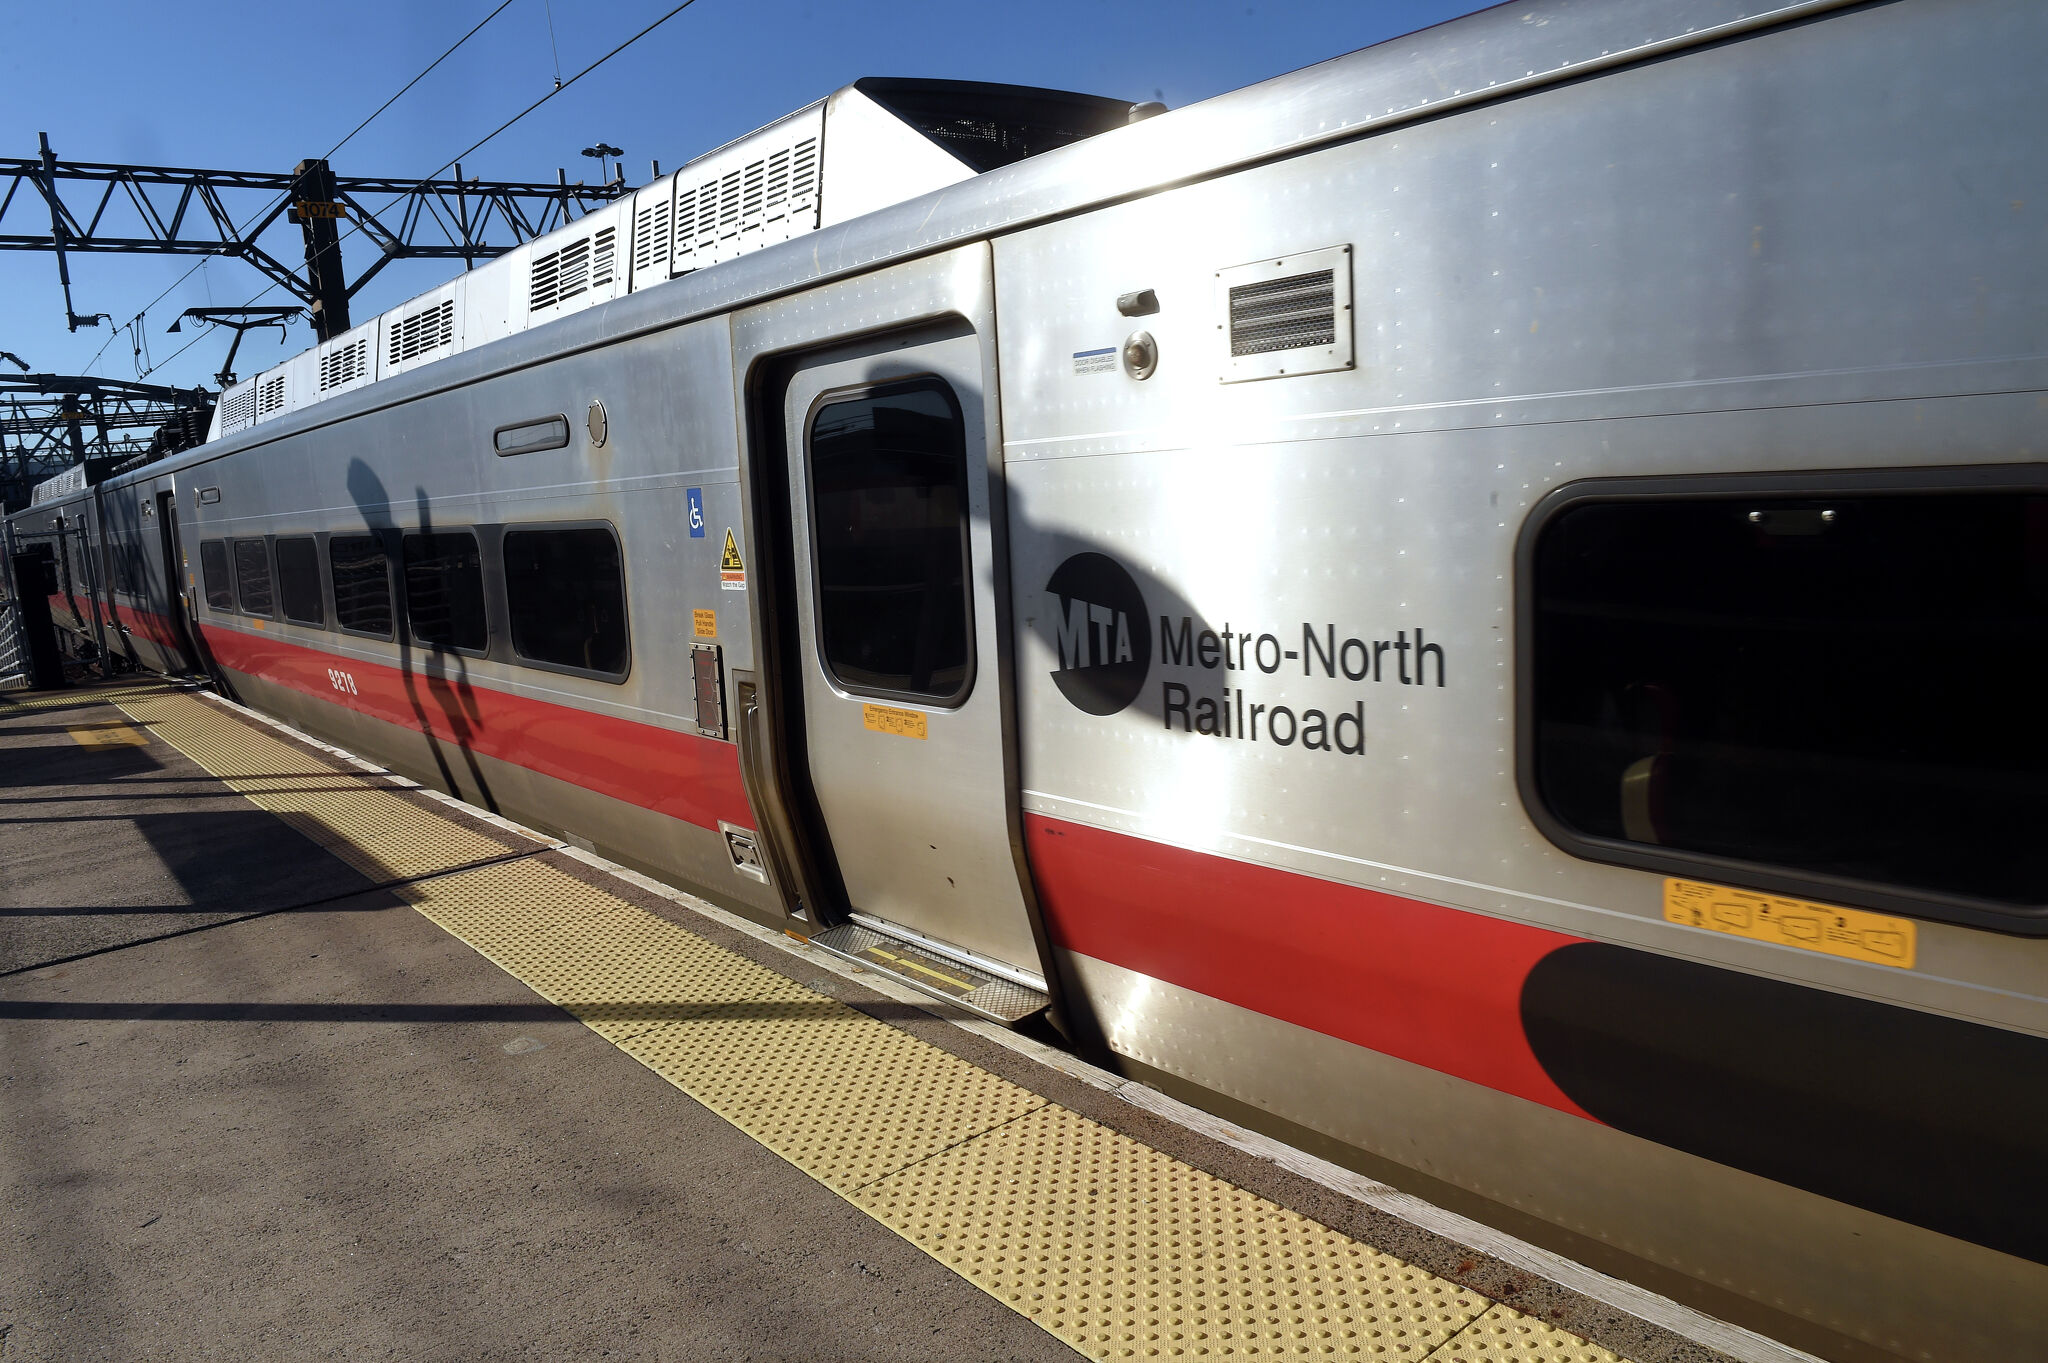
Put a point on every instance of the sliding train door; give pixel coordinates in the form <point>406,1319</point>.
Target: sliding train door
<point>894,647</point>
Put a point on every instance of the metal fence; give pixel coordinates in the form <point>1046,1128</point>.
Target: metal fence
<point>14,665</point>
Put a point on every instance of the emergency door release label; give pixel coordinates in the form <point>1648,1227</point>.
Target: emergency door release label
<point>1860,936</point>
<point>887,719</point>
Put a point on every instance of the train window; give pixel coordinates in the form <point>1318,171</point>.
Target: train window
<point>252,577</point>
<point>1835,692</point>
<point>362,584</point>
<point>298,580</point>
<point>213,568</point>
<point>444,590</point>
<point>566,593</point>
<point>889,511</point>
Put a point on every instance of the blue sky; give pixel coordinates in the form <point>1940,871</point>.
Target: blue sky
<point>245,86</point>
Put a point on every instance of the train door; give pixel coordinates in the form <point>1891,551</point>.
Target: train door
<point>176,603</point>
<point>893,648</point>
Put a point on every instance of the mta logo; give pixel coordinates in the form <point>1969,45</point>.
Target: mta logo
<point>1101,633</point>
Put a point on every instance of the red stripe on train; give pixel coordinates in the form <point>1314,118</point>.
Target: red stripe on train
<point>156,628</point>
<point>682,775</point>
<point>1436,986</point>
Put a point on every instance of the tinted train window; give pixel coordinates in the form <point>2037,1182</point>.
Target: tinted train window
<point>213,568</point>
<point>566,594</point>
<point>444,590</point>
<point>362,584</point>
<point>252,577</point>
<point>889,510</point>
<point>298,580</point>
<point>1843,687</point>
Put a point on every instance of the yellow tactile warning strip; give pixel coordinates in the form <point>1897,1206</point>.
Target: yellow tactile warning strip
<point>56,700</point>
<point>1113,1247</point>
<point>376,830</point>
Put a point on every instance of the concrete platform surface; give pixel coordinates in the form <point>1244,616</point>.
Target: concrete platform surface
<point>442,1089</point>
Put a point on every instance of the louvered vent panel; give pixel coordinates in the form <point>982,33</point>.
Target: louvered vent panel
<point>238,411</point>
<point>686,225</point>
<point>574,272</point>
<point>803,173</point>
<point>778,184</point>
<point>651,238</point>
<point>426,330</point>
<point>1284,314</point>
<point>270,396</point>
<point>729,205</point>
<point>752,188</point>
<point>571,270</point>
<point>345,364</point>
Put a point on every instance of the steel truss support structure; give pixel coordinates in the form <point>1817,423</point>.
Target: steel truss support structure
<point>80,206</point>
<point>49,422</point>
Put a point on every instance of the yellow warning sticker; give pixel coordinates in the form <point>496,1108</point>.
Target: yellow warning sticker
<point>704,624</point>
<point>732,570</point>
<point>111,735</point>
<point>1860,936</point>
<point>916,962</point>
<point>887,719</point>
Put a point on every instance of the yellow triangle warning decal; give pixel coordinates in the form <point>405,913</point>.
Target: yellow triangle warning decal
<point>729,561</point>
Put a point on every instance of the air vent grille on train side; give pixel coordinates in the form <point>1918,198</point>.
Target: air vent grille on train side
<point>345,364</point>
<point>270,397</point>
<point>766,200</point>
<point>423,331</point>
<point>238,409</point>
<point>1289,315</point>
<point>1283,314</point>
<point>651,239</point>
<point>568,271</point>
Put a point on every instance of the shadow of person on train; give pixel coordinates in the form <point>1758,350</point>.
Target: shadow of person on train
<point>448,679</point>
<point>373,504</point>
<point>1114,636</point>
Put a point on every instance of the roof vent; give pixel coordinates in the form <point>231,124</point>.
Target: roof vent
<point>570,270</point>
<point>345,364</point>
<point>651,239</point>
<point>238,409</point>
<point>421,332</point>
<point>1290,315</point>
<point>270,397</point>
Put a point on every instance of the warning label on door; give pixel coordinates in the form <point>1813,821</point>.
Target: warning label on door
<point>704,624</point>
<point>732,570</point>
<point>887,719</point>
<point>1853,933</point>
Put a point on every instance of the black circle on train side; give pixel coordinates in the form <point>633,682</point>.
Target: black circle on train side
<point>1102,639</point>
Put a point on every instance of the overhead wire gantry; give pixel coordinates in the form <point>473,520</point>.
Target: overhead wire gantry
<point>49,422</point>
<point>80,206</point>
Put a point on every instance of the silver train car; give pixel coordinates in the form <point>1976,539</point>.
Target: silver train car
<point>1477,607</point>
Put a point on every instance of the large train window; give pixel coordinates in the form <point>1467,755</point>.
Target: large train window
<point>213,571</point>
<point>362,584</point>
<point>298,579</point>
<point>1823,686</point>
<point>252,577</point>
<point>566,593</point>
<point>444,590</point>
<point>889,514</point>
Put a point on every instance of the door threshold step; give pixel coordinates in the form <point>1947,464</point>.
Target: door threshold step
<point>979,993</point>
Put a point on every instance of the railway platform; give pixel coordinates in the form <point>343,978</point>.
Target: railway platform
<point>303,1061</point>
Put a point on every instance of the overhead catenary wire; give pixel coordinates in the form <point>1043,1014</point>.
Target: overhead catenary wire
<point>272,204</point>
<point>356,228</point>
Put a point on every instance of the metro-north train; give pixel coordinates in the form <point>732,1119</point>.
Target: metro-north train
<point>1480,607</point>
